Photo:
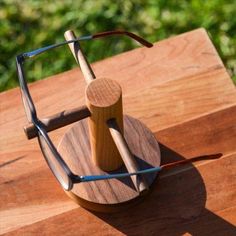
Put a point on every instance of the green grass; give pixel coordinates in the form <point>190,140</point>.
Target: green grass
<point>27,25</point>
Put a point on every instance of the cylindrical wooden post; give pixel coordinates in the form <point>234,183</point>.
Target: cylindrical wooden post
<point>104,100</point>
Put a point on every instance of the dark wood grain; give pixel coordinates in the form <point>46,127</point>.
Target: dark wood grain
<point>58,120</point>
<point>114,194</point>
<point>127,156</point>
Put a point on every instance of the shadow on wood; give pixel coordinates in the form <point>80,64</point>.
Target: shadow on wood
<point>175,206</point>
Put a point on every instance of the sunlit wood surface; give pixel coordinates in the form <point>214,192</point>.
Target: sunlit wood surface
<point>181,90</point>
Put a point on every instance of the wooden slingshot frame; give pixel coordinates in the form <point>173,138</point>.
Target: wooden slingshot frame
<point>111,139</point>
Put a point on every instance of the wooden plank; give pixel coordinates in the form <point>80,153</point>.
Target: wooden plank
<point>184,55</point>
<point>178,86</point>
<point>15,144</point>
<point>45,93</point>
<point>178,101</point>
<point>175,207</point>
<point>213,133</point>
<point>220,93</point>
<point>41,180</point>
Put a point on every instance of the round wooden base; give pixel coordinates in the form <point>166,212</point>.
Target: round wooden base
<point>115,194</point>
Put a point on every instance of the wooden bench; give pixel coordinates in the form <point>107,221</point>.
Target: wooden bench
<point>181,90</point>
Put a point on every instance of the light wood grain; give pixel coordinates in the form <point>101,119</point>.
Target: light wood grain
<point>178,86</point>
<point>104,100</point>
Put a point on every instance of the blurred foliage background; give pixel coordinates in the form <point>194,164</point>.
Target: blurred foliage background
<point>30,24</point>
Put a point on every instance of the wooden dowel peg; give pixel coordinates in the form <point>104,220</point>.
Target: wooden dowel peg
<point>104,100</point>
<point>127,157</point>
<point>80,57</point>
<point>58,120</point>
